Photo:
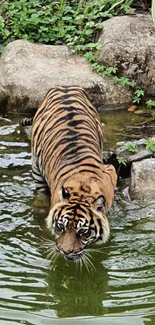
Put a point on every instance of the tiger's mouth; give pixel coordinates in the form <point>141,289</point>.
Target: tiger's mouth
<point>70,256</point>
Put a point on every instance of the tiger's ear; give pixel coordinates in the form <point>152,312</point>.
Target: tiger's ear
<point>112,172</point>
<point>99,204</point>
<point>109,184</point>
<point>64,194</point>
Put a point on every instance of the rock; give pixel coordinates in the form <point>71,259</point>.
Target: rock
<point>122,150</point>
<point>128,43</point>
<point>142,185</point>
<point>28,71</point>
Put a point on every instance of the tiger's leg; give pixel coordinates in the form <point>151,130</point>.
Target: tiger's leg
<point>39,180</point>
<point>42,200</point>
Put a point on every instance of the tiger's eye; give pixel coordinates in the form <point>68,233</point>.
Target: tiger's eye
<point>84,232</point>
<point>59,228</point>
<point>88,233</point>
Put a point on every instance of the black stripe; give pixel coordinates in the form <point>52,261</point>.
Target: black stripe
<point>100,225</point>
<point>77,162</point>
<point>73,169</point>
<point>75,123</point>
<point>80,216</point>
<point>49,129</point>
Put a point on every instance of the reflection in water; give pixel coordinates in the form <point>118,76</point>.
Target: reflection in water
<point>79,293</point>
<point>33,291</point>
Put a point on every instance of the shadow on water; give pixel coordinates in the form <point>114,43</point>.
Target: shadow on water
<point>34,291</point>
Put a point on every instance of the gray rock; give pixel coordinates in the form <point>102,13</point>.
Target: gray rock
<point>28,71</point>
<point>142,185</point>
<point>141,154</point>
<point>128,43</point>
<point>122,150</point>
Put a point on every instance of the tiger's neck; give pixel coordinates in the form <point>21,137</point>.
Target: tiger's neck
<point>83,184</point>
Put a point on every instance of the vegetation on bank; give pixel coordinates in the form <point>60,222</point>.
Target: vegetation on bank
<point>73,22</point>
<point>76,23</point>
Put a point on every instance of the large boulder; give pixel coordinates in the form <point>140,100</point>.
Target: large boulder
<point>28,71</point>
<point>143,180</point>
<point>128,43</point>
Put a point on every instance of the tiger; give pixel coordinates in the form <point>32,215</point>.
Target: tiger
<point>67,147</point>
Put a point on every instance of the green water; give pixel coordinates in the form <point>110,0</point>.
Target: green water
<point>121,291</point>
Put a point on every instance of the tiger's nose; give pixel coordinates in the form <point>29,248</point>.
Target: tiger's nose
<point>64,252</point>
<point>68,252</point>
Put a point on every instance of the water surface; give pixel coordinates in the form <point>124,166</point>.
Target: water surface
<point>121,291</point>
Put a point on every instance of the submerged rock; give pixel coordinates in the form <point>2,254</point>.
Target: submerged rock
<point>128,44</point>
<point>28,71</point>
<point>142,185</point>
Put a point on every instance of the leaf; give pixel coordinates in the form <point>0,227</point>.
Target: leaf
<point>153,11</point>
<point>1,22</point>
<point>43,29</point>
<point>150,144</point>
<point>139,92</point>
<point>99,25</point>
<point>138,112</point>
<point>110,70</point>
<point>150,103</point>
<point>91,45</point>
<point>88,31</point>
<point>124,81</point>
<point>122,160</point>
<point>132,108</point>
<point>133,147</point>
<point>64,285</point>
<point>90,24</point>
<point>6,32</point>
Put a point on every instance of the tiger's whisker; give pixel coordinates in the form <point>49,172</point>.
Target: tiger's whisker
<point>85,262</point>
<point>89,262</point>
<point>94,250</point>
<point>50,255</point>
<point>49,251</point>
<point>81,263</point>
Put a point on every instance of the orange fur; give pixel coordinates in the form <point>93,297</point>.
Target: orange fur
<point>67,147</point>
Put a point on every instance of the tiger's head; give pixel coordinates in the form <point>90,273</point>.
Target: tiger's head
<point>79,217</point>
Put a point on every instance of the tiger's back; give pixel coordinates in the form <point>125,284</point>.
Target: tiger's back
<point>66,136</point>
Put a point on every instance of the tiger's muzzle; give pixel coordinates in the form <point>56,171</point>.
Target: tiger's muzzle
<point>69,245</point>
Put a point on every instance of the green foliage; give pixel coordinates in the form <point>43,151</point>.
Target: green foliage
<point>150,144</point>
<point>110,70</point>
<point>133,147</point>
<point>137,97</point>
<point>124,81</point>
<point>73,22</point>
<point>76,23</point>
<point>150,103</point>
<point>99,68</point>
<point>122,160</point>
